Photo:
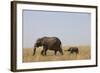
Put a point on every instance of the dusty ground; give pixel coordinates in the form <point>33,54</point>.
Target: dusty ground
<point>84,53</point>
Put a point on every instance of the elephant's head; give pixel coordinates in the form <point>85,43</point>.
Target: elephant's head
<point>37,44</point>
<point>69,49</point>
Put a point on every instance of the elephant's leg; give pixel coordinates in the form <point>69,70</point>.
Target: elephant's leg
<point>45,52</point>
<point>42,52</point>
<point>77,51</point>
<point>60,50</point>
<point>71,52</point>
<point>55,52</point>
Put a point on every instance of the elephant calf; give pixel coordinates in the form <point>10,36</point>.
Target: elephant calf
<point>73,50</point>
<point>48,43</point>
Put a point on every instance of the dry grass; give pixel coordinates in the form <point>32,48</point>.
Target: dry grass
<point>84,53</point>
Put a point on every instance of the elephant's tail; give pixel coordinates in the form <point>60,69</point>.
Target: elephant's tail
<point>34,50</point>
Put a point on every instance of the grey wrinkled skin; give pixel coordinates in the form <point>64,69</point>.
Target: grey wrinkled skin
<point>48,43</point>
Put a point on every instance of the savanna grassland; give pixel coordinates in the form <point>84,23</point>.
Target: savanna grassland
<point>84,53</point>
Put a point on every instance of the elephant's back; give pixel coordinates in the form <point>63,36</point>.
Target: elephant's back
<point>52,42</point>
<point>52,39</point>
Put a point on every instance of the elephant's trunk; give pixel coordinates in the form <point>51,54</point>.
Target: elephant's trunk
<point>34,50</point>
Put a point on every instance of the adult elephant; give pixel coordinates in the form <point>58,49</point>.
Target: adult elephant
<point>48,43</point>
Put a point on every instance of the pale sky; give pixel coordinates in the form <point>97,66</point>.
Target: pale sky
<point>70,27</point>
